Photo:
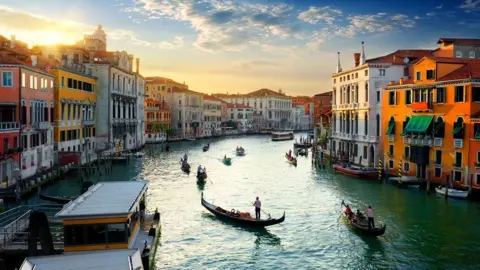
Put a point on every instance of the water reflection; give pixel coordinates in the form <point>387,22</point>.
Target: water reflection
<point>264,237</point>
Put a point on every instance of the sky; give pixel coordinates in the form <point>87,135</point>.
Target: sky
<point>226,46</point>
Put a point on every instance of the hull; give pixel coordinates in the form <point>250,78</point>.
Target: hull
<point>452,193</point>
<point>302,145</point>
<point>201,177</point>
<point>291,161</point>
<point>368,173</point>
<point>406,182</point>
<point>225,215</point>
<point>227,161</point>
<point>206,148</point>
<point>57,199</point>
<point>186,168</point>
<point>240,153</point>
<point>282,138</point>
<point>362,227</point>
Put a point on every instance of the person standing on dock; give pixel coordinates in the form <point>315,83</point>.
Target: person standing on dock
<point>370,214</point>
<point>258,206</point>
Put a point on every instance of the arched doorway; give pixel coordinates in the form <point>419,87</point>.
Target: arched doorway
<point>371,157</point>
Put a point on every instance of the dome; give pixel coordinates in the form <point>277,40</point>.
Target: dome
<point>99,34</point>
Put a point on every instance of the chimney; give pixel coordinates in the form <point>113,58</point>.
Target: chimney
<point>363,59</point>
<point>356,57</point>
<point>339,67</point>
<point>400,81</point>
<point>138,66</point>
<point>91,57</point>
<point>34,60</point>
<point>12,41</point>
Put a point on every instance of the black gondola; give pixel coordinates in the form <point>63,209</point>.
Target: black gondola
<point>206,147</point>
<point>361,226</point>
<point>185,167</point>
<point>201,176</point>
<point>302,145</point>
<point>237,218</point>
<point>302,152</point>
<point>57,199</point>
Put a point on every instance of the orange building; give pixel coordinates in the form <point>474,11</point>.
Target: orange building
<point>427,121</point>
<point>157,110</point>
<point>302,101</point>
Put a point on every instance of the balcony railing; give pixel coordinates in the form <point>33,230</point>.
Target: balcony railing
<point>9,126</point>
<point>422,106</point>
<point>154,108</point>
<point>458,143</point>
<point>41,125</point>
<point>88,122</point>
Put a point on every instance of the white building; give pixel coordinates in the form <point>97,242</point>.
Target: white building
<point>212,113</point>
<point>301,119</point>
<point>275,107</point>
<point>241,114</point>
<point>140,138</point>
<point>186,112</point>
<point>356,104</point>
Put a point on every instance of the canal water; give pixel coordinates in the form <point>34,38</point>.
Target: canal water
<point>423,231</point>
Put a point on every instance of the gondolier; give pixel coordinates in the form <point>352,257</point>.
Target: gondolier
<point>258,206</point>
<point>370,214</point>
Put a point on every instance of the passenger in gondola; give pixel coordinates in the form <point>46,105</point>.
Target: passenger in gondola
<point>290,153</point>
<point>199,170</point>
<point>225,157</point>
<point>348,211</point>
<point>185,157</point>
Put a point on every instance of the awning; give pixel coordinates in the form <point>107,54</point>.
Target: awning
<point>391,127</point>
<point>418,124</point>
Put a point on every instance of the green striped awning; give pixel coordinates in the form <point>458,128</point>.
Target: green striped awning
<point>390,129</point>
<point>418,124</point>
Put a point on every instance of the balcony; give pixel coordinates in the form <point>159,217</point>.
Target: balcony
<point>391,138</point>
<point>422,107</point>
<point>151,109</point>
<point>458,143</point>
<point>88,122</point>
<point>438,142</point>
<point>9,126</point>
<point>41,125</point>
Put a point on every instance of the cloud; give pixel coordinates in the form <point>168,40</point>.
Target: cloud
<point>314,15</point>
<point>439,7</point>
<point>470,5</point>
<point>379,22</point>
<point>35,29</point>
<point>255,64</point>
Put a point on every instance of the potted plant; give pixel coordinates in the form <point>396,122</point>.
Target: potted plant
<point>24,167</point>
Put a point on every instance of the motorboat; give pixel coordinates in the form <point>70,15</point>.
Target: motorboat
<point>452,192</point>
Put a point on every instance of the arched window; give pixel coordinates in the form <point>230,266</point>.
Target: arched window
<point>348,94</point>
<point>439,128</point>
<point>378,125</point>
<point>356,123</point>
<point>334,123</point>
<point>366,92</point>
<point>458,129</point>
<point>356,93</point>
<point>366,123</point>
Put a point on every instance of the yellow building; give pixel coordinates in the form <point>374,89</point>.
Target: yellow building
<point>74,115</point>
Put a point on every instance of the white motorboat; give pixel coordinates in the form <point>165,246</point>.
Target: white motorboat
<point>138,154</point>
<point>454,193</point>
<point>282,135</point>
<point>240,152</point>
<point>190,139</point>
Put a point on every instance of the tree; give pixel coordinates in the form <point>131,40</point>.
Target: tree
<point>159,127</point>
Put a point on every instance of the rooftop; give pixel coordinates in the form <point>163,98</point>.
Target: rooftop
<point>104,199</point>
<point>459,41</point>
<point>98,260</point>
<point>397,57</point>
<point>176,89</point>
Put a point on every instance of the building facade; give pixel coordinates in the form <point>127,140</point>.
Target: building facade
<point>157,109</point>
<point>356,103</point>
<point>186,112</point>
<point>301,118</point>
<point>275,107</point>
<point>424,136</point>
<point>242,116</point>
<point>212,113</point>
<point>74,114</point>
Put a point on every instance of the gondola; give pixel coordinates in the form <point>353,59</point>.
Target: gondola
<point>361,226</point>
<point>206,148</point>
<point>57,199</point>
<point>302,145</point>
<point>302,152</point>
<point>240,152</point>
<point>201,176</point>
<point>356,171</point>
<point>291,160</point>
<point>240,218</point>
<point>185,167</point>
<point>227,161</point>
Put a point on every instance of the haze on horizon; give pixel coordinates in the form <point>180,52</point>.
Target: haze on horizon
<point>241,46</point>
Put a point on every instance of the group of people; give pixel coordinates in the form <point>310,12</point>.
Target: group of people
<point>359,216</point>
<point>239,148</point>
<point>289,155</point>
<point>201,170</point>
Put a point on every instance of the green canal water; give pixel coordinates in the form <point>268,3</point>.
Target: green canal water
<point>423,231</point>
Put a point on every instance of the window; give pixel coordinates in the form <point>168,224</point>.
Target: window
<point>390,150</point>
<point>366,72</point>
<point>408,97</point>
<point>35,83</point>
<point>381,72</point>
<point>458,159</point>
<point>366,123</point>
<point>407,152</point>
<point>378,125</point>
<point>430,74</point>
<point>390,164</point>
<point>471,54</point>
<point>7,79</point>
<point>356,75</point>
<point>95,233</point>
<point>458,54</point>
<point>378,96</point>
<point>478,157</point>
<point>117,233</point>
<point>418,76</point>
<point>406,167</point>
<point>365,149</point>
<point>475,94</point>
<point>74,235</point>
<point>477,179</point>
<point>457,176</point>
<point>459,93</point>
<point>441,95</point>
<point>392,98</point>
<point>437,172</point>
<point>24,80</point>
<point>63,81</point>
<point>438,157</point>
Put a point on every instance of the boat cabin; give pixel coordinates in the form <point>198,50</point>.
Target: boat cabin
<point>105,260</point>
<point>107,216</point>
<point>282,135</point>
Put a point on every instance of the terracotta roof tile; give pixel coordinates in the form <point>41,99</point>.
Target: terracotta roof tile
<point>265,92</point>
<point>460,41</point>
<point>470,70</point>
<point>7,59</point>
<point>176,89</point>
<point>398,56</point>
